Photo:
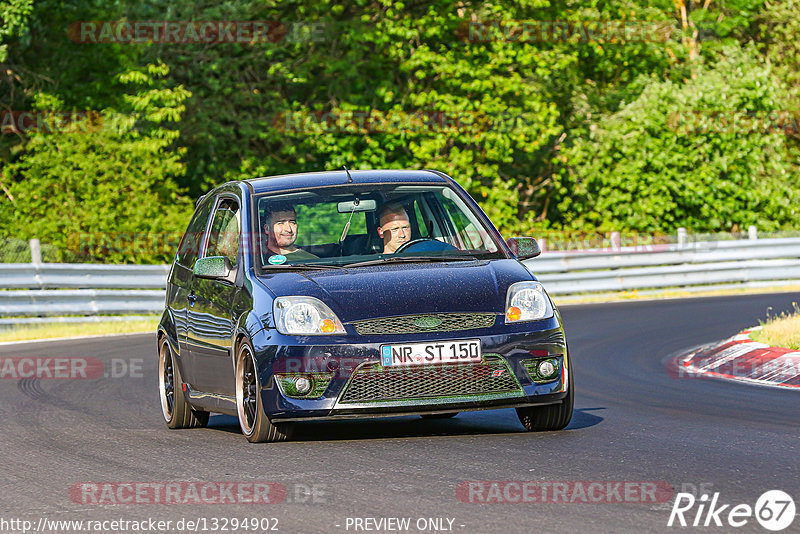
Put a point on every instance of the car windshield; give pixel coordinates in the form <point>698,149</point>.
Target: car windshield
<point>364,225</point>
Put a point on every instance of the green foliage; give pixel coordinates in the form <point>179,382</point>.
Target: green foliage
<point>555,134</point>
<point>104,191</point>
<point>380,61</point>
<point>779,30</point>
<point>13,21</point>
<point>692,154</point>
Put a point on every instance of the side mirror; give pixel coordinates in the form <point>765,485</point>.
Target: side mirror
<point>524,247</point>
<point>214,268</point>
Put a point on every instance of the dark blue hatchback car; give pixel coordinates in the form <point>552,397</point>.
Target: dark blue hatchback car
<point>355,294</point>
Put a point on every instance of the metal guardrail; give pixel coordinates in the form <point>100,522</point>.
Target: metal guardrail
<point>691,253</point>
<point>80,275</point>
<point>60,289</point>
<point>80,302</point>
<point>707,263</point>
<point>50,290</point>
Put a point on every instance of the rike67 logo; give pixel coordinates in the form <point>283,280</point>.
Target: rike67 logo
<point>774,510</point>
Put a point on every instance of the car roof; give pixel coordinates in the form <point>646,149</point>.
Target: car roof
<point>271,184</point>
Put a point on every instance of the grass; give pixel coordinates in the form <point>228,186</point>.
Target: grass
<point>58,330</point>
<point>782,330</point>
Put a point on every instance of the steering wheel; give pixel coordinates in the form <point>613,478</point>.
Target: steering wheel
<point>431,245</point>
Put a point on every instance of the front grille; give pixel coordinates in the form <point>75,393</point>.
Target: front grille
<point>373,382</point>
<point>448,322</point>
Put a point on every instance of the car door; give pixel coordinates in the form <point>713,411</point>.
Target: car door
<point>211,328</point>
<point>180,281</point>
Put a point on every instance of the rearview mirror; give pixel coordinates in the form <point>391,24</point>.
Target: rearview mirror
<point>214,268</point>
<point>524,247</point>
<point>357,205</point>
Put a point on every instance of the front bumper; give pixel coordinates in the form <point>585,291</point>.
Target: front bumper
<point>356,385</point>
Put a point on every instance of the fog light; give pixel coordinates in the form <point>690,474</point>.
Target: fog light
<point>546,369</point>
<point>302,384</point>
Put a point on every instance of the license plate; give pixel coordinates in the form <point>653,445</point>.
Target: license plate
<point>465,351</point>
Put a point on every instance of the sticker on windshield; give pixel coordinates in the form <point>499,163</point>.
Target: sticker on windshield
<point>277,259</point>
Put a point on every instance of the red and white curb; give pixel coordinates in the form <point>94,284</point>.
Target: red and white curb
<point>741,359</point>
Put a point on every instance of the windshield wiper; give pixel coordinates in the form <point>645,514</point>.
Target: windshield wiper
<point>410,259</point>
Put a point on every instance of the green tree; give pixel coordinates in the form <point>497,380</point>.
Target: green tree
<point>693,154</point>
<point>545,134</point>
<point>104,189</point>
<point>13,22</point>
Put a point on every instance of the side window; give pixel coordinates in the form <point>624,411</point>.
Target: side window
<point>223,237</point>
<point>467,230</point>
<point>423,227</point>
<point>189,249</point>
<point>428,213</point>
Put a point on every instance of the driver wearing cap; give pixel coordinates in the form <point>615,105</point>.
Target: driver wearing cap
<point>394,228</point>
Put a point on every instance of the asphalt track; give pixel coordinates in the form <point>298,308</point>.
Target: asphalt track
<point>633,422</point>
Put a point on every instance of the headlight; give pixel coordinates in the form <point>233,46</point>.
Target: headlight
<point>527,301</point>
<point>305,316</point>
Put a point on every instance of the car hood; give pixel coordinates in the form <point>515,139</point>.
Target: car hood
<point>405,289</point>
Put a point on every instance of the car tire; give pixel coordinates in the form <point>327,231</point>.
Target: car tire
<point>176,411</point>
<point>438,415</point>
<point>550,417</point>
<point>254,422</point>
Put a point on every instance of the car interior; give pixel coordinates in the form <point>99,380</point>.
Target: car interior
<point>335,225</point>
<point>363,240</point>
